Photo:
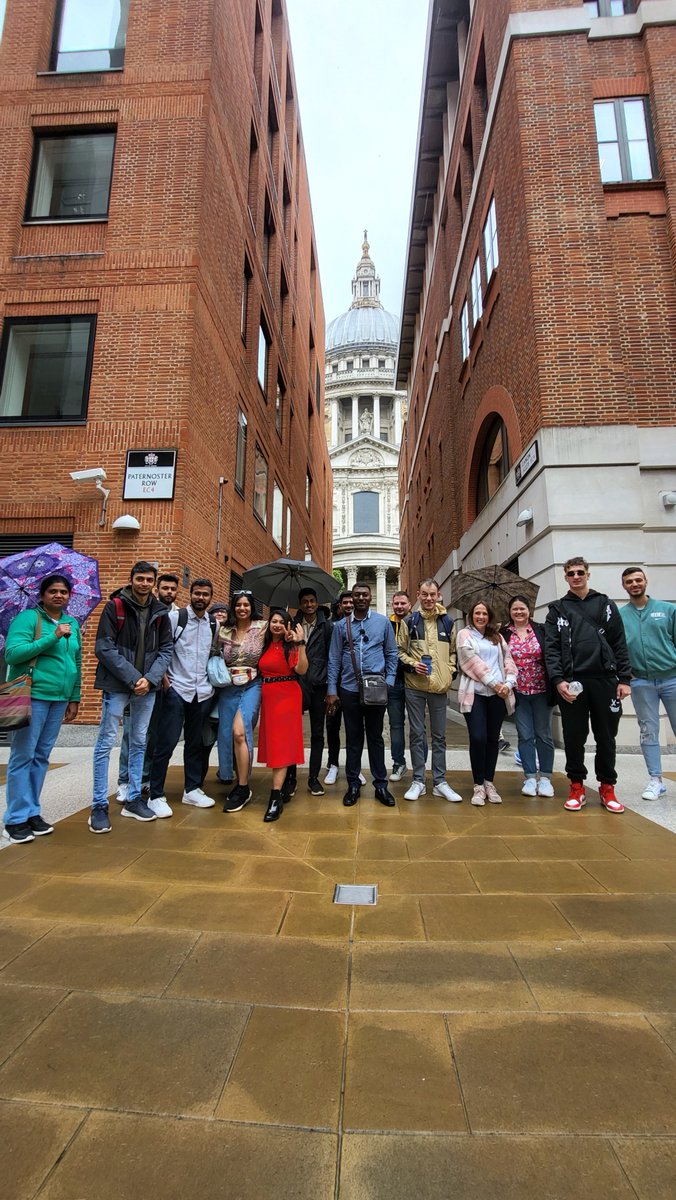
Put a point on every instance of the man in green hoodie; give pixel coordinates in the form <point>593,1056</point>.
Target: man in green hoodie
<point>650,630</point>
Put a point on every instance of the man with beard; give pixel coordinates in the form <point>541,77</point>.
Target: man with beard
<point>650,629</point>
<point>187,699</point>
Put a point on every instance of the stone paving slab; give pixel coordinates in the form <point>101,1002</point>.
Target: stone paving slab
<point>186,1012</point>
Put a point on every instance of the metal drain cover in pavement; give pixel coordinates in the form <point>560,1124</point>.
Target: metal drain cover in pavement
<point>356,893</point>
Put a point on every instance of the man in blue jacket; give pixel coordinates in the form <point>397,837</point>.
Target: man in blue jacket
<point>134,646</point>
<point>650,630</point>
<point>374,650</point>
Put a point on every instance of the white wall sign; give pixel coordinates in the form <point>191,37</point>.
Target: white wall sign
<point>526,463</point>
<point>150,475</point>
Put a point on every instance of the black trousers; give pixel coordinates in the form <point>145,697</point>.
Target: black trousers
<point>333,721</point>
<point>178,714</point>
<point>314,705</point>
<point>483,724</point>
<point>363,719</point>
<point>598,704</point>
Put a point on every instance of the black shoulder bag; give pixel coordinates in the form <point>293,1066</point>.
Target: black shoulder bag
<point>372,685</point>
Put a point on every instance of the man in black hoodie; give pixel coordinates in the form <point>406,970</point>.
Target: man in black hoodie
<point>134,646</point>
<point>585,644</point>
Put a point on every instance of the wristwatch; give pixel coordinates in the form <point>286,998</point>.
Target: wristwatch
<point>302,642</point>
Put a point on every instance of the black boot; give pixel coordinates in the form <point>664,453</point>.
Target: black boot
<point>290,784</point>
<point>275,806</point>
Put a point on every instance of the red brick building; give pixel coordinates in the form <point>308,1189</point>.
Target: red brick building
<point>539,312</point>
<point>158,286</point>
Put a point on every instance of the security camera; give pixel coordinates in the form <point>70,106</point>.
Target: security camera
<point>92,475</point>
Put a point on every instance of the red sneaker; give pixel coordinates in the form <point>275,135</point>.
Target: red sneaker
<point>608,798</point>
<point>576,798</point>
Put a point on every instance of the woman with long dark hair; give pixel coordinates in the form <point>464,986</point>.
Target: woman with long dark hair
<point>486,690</point>
<point>533,715</point>
<point>48,635</point>
<point>280,738</point>
<point>241,638</point>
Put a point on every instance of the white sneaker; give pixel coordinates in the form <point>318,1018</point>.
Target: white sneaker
<point>416,790</point>
<point>331,775</point>
<point>479,795</point>
<point>492,794</point>
<point>160,807</point>
<point>545,788</point>
<point>530,788</point>
<point>444,789</point>
<point>198,799</point>
<point>122,794</point>
<point>655,788</point>
<point>398,772</point>
<point>362,779</point>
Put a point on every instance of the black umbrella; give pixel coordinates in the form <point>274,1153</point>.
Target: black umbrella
<point>278,583</point>
<point>494,585</point>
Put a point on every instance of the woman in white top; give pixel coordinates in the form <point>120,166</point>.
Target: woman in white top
<point>486,690</point>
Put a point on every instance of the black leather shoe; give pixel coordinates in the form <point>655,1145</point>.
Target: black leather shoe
<point>351,796</point>
<point>385,797</point>
<point>275,806</point>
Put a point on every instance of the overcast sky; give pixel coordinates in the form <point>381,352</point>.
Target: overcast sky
<point>358,67</point>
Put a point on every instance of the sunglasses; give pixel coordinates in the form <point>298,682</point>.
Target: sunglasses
<point>575,574</point>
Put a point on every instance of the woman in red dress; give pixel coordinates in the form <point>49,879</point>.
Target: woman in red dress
<point>280,737</point>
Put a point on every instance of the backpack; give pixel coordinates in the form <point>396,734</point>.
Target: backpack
<point>414,623</point>
<point>120,615</point>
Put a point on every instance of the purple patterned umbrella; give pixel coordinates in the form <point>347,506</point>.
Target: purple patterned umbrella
<point>20,576</point>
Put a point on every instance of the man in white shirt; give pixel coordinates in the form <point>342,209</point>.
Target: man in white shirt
<point>187,700</point>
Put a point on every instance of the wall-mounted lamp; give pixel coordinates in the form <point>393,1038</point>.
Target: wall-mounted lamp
<point>127,522</point>
<point>668,499</point>
<point>95,475</point>
<point>525,517</point>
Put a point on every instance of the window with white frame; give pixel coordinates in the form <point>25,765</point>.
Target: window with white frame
<point>89,35</point>
<point>288,531</point>
<point>464,331</point>
<point>263,349</point>
<point>70,176</point>
<point>260,501</point>
<point>491,241</point>
<point>2,17</point>
<point>477,302</point>
<point>609,8</point>
<point>277,515</point>
<point>624,141</point>
<point>240,453</point>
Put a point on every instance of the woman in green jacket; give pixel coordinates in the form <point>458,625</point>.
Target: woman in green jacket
<point>52,638</point>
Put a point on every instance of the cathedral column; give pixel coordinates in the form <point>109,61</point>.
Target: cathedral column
<point>376,416</point>
<point>397,421</point>
<point>381,590</point>
<point>334,422</point>
<point>351,577</point>
<point>355,417</point>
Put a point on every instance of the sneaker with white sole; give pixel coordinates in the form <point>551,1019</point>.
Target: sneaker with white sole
<point>198,799</point>
<point>122,794</point>
<point>492,794</point>
<point>160,807</point>
<point>655,788</point>
<point>416,790</point>
<point>138,809</point>
<point>398,772</point>
<point>545,787</point>
<point>444,789</point>
<point>479,795</point>
<point>530,787</point>
<point>331,775</point>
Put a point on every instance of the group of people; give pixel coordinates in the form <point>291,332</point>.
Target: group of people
<point>210,670</point>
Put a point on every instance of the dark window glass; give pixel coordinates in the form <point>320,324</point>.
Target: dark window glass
<point>366,512</point>
<point>494,463</point>
<point>71,176</point>
<point>89,35</point>
<point>240,455</point>
<point>45,365</point>
<point>261,486</point>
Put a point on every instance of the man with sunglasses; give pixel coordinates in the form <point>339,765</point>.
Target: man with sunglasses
<point>585,643</point>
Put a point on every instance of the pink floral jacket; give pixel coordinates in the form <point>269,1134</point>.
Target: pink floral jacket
<point>474,669</point>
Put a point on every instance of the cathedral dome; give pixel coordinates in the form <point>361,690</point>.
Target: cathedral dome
<point>366,322</point>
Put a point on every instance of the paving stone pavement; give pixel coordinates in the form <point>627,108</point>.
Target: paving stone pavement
<point>186,1013</point>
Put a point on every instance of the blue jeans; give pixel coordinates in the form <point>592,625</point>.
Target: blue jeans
<point>29,759</point>
<point>395,714</point>
<point>140,712</point>
<point>646,695</point>
<point>153,730</point>
<point>533,719</point>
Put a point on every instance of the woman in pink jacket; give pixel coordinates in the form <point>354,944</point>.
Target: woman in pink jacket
<point>487,682</point>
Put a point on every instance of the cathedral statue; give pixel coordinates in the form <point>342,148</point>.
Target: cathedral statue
<point>366,421</point>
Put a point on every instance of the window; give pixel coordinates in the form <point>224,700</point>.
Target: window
<point>89,37</point>
<point>308,489</point>
<point>464,331</point>
<point>246,280</point>
<point>45,366</point>
<point>261,486</point>
<point>288,531</point>
<point>477,302</point>
<point>622,134</point>
<point>277,515</point>
<point>494,463</point>
<point>268,234</point>
<point>263,350</point>
<point>279,405</point>
<point>2,17</point>
<point>240,453</point>
<point>366,512</point>
<point>70,176</point>
<point>491,241</point>
<point>610,8</point>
